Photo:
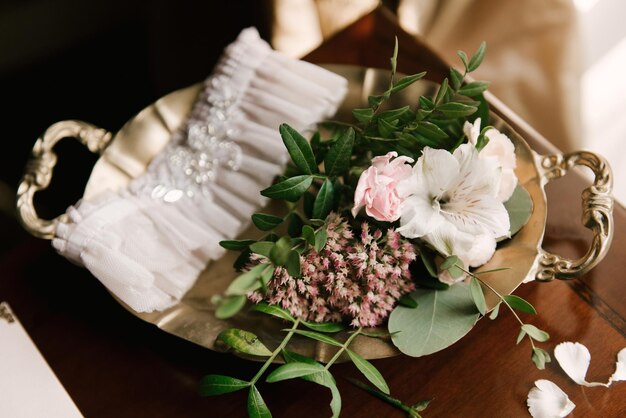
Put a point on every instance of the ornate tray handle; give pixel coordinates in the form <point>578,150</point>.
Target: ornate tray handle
<point>597,204</point>
<point>40,167</point>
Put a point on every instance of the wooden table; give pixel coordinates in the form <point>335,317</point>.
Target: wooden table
<point>113,364</point>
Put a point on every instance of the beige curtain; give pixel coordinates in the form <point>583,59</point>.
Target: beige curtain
<point>532,47</point>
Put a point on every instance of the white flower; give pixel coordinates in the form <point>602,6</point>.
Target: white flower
<point>620,367</point>
<point>450,202</point>
<point>547,400</point>
<point>500,149</point>
<point>574,359</point>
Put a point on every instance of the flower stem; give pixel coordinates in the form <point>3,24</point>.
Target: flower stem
<point>343,348</point>
<point>276,352</point>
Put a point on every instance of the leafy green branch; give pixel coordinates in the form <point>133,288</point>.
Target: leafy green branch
<point>412,411</point>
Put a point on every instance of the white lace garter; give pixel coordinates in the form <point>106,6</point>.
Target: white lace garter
<point>148,243</point>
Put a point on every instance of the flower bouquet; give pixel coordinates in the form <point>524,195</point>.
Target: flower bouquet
<point>385,223</point>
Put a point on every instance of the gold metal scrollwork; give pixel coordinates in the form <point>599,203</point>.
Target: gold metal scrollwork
<point>5,313</point>
<point>40,167</point>
<point>597,205</point>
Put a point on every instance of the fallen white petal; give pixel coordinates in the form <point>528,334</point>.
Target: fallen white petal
<point>547,400</point>
<point>574,359</point>
<point>620,367</point>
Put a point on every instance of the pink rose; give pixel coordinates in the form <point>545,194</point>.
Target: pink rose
<point>377,187</point>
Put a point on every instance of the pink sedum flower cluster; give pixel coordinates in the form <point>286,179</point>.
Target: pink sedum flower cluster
<point>355,278</point>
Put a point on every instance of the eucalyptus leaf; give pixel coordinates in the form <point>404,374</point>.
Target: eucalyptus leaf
<point>520,304</point>
<point>236,245</point>
<point>274,311</point>
<point>290,189</point>
<point>328,327</point>
<point>477,58</point>
<point>230,306</point>
<point>520,336</point>
<point>405,82</point>
<point>536,333</point>
<point>369,371</point>
<point>324,200</point>
<point>441,318</point>
<point>337,160</point>
<point>494,313</point>
<point>429,263</point>
<point>407,301</point>
<point>262,248</point>
<point>293,264</point>
<point>299,149</point>
<point>308,233</point>
<point>478,296</point>
<point>317,336</point>
<point>449,262</point>
<point>280,251</point>
<point>540,357</point>
<point>293,371</point>
<point>321,236</point>
<point>520,208</point>
<point>244,342</point>
<point>256,405</point>
<point>247,281</point>
<point>214,384</point>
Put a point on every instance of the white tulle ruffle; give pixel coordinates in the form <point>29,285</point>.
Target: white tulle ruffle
<point>148,243</point>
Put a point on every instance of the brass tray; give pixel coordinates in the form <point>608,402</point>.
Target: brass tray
<point>127,154</point>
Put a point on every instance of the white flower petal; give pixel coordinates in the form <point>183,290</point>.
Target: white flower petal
<point>574,359</point>
<point>439,169</point>
<point>547,400</point>
<point>419,216</point>
<point>620,367</point>
<point>478,215</point>
<point>472,131</point>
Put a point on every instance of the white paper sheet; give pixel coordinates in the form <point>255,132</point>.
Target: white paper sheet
<point>28,387</point>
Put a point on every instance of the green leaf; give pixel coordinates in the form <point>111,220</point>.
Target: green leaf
<point>262,248</point>
<point>494,313</point>
<point>215,384</point>
<point>474,88</point>
<point>441,318</point>
<point>456,77</point>
<point>236,245</point>
<point>364,115</point>
<point>407,301</point>
<point>229,306</point>
<point>376,334</point>
<point>429,263</point>
<point>520,304</point>
<point>293,264</point>
<point>477,58</point>
<point>394,114</point>
<point>456,110</point>
<point>369,371</point>
<point>441,93</point>
<point>308,233</point>
<point>299,149</point>
<point>536,333</point>
<point>267,275</point>
<point>374,102</point>
<point>247,281</point>
<point>430,131</point>
<point>317,336</point>
<point>244,342</point>
<point>280,252</point>
<point>321,236</point>
<point>293,370</point>
<point>540,357</point>
<point>290,189</point>
<point>295,225</point>
<point>421,405</point>
<point>242,260</point>
<point>449,262</point>
<point>337,160</point>
<point>520,208</point>
<point>329,327</point>
<point>478,296</point>
<point>426,103</point>
<point>463,57</point>
<point>456,272</point>
<point>385,128</point>
<point>256,405</point>
<point>394,57</point>
<point>274,311</point>
<point>324,200</point>
<point>520,336</point>
<point>405,82</point>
